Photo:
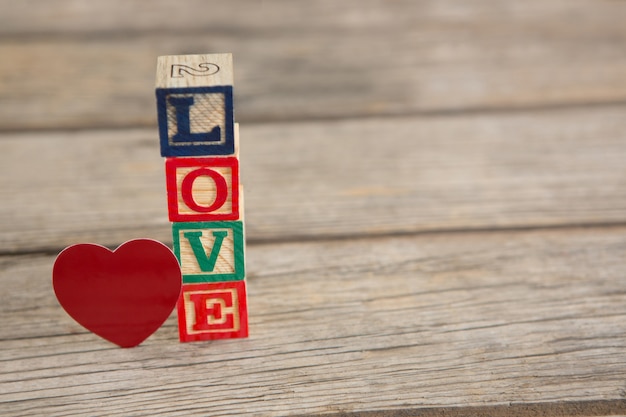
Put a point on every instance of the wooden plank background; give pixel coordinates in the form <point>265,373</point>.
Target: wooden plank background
<point>435,205</point>
<point>332,179</point>
<point>300,61</point>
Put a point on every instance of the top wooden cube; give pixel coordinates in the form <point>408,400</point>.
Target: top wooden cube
<point>195,105</point>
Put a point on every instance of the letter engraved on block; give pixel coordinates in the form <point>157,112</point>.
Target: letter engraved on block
<point>202,188</point>
<point>180,131</point>
<point>213,311</point>
<point>210,251</point>
<point>196,121</point>
<point>206,263</point>
<point>187,190</point>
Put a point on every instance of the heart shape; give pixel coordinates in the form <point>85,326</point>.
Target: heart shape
<point>123,295</point>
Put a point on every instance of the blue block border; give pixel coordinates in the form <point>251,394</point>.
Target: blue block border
<point>227,148</point>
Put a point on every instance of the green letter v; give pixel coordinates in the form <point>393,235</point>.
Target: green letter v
<point>206,263</point>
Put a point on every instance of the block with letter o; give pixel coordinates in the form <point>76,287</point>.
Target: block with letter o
<point>202,189</point>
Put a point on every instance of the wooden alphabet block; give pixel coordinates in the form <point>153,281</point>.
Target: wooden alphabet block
<point>210,251</point>
<point>213,311</point>
<point>202,189</point>
<point>195,105</point>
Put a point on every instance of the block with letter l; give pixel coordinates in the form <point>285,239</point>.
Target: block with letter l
<point>195,105</point>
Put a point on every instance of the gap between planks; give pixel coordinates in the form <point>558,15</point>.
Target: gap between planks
<point>556,409</point>
<point>399,324</point>
<point>347,117</point>
<point>515,171</point>
<point>487,57</point>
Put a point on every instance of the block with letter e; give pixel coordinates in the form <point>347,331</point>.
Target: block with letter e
<point>195,105</point>
<point>213,311</point>
<point>202,189</point>
<point>210,251</point>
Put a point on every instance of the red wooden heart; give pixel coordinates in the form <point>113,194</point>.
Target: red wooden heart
<point>122,296</point>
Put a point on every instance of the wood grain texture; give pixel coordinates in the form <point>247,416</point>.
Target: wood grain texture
<point>313,61</point>
<point>118,17</point>
<point>436,205</point>
<point>181,71</point>
<point>402,323</point>
<point>341,178</point>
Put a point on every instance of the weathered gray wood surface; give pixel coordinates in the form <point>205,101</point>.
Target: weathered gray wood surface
<point>435,205</point>
<point>318,60</point>
<point>336,178</point>
<point>351,325</point>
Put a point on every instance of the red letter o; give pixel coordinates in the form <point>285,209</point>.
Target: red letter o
<point>221,190</point>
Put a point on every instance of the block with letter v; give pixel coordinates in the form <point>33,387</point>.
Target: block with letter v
<point>210,251</point>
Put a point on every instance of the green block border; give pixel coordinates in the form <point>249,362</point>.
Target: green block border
<point>238,247</point>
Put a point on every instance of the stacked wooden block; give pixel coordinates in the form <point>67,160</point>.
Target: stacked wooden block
<point>201,144</point>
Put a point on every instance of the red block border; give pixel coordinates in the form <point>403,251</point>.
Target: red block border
<point>239,288</point>
<point>171,165</point>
